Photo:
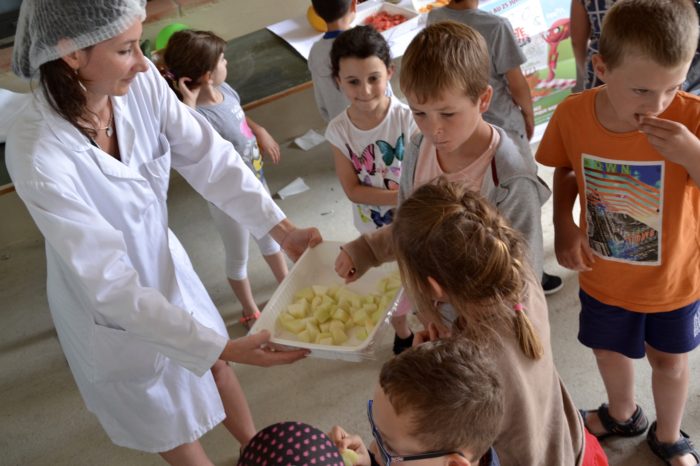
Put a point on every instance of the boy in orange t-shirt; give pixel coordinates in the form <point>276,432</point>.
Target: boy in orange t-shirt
<point>630,149</point>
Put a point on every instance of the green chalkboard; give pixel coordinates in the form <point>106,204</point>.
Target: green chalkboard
<point>260,65</point>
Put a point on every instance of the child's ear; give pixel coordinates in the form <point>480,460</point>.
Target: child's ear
<point>390,72</point>
<point>456,460</point>
<point>599,66</point>
<point>485,99</point>
<point>438,294</point>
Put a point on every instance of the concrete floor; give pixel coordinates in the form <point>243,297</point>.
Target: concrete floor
<point>42,417</point>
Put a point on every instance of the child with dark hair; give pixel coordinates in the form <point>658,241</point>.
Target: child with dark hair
<point>195,68</point>
<point>338,15</point>
<point>368,138</point>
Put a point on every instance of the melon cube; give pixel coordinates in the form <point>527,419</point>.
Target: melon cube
<point>337,325</point>
<point>325,327</point>
<point>298,310</point>
<point>341,314</point>
<point>294,326</point>
<point>306,293</point>
<point>359,317</point>
<point>322,314</point>
<point>339,336</point>
<point>319,290</point>
<point>304,336</point>
<point>361,334</point>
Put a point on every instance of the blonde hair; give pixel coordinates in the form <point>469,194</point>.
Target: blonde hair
<point>451,390</point>
<point>442,57</point>
<point>665,31</point>
<point>448,233</point>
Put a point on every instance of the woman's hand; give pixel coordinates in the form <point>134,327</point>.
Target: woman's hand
<point>253,350</point>
<point>298,240</point>
<point>345,441</point>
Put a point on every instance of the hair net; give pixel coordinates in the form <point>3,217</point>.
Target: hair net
<point>49,29</point>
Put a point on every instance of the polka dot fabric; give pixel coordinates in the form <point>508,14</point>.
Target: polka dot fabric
<point>290,444</point>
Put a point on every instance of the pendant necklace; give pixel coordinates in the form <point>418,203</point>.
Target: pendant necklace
<point>109,129</point>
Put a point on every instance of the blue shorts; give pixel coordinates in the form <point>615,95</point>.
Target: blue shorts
<point>613,328</point>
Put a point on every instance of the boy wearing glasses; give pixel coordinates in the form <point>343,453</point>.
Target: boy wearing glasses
<point>440,403</point>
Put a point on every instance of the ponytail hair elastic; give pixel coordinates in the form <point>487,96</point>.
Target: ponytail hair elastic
<point>518,308</point>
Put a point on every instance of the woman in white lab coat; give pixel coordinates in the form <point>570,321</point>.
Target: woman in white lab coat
<point>91,158</point>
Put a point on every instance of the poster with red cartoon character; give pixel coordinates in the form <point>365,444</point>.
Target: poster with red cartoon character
<point>542,30</point>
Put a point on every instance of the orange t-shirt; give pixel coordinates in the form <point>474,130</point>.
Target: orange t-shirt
<point>640,211</point>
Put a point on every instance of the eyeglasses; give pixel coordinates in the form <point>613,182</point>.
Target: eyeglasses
<point>389,458</point>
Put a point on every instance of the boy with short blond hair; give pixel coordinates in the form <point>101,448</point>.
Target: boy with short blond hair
<point>630,149</point>
<point>440,400</point>
<point>511,103</point>
<point>445,78</point>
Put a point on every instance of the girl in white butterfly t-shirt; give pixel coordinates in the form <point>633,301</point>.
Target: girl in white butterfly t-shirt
<point>368,137</point>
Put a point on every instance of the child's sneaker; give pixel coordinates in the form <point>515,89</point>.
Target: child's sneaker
<point>551,283</point>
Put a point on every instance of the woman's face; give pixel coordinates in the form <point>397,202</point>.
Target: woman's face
<point>109,67</point>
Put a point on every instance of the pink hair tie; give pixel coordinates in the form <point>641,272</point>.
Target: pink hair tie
<point>518,307</point>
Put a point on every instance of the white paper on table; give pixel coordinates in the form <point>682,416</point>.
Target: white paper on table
<point>309,139</point>
<point>298,33</point>
<point>295,187</point>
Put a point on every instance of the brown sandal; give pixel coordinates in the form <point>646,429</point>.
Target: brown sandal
<point>635,425</point>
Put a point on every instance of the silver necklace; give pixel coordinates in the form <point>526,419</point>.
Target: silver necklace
<point>109,129</point>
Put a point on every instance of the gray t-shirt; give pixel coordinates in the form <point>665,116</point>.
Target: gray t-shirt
<point>228,119</point>
<point>329,99</point>
<point>505,55</point>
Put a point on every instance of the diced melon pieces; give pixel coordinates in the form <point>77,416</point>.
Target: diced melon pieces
<point>339,336</point>
<point>341,314</point>
<point>331,315</point>
<point>322,314</point>
<point>294,326</point>
<point>305,336</point>
<point>327,341</point>
<point>306,293</point>
<point>298,310</point>
<point>359,317</point>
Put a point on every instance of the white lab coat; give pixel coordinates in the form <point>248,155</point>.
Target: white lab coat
<point>135,322</point>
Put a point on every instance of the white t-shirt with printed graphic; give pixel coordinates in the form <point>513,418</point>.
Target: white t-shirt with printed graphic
<point>376,156</point>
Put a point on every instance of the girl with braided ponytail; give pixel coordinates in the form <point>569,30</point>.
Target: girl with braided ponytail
<point>464,269</point>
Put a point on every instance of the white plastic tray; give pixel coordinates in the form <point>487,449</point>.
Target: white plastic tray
<point>410,24</point>
<point>316,267</point>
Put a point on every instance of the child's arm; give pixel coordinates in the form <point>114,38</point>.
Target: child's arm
<point>570,243</point>
<point>675,142</point>
<point>580,32</point>
<point>520,91</point>
<point>266,142</point>
<point>356,192</point>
